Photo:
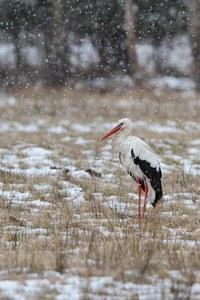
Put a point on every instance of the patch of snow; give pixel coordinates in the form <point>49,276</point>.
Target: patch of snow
<point>36,161</point>
<point>57,129</point>
<point>172,83</point>
<point>98,196</point>
<point>37,152</point>
<point>26,128</point>
<point>7,55</point>
<point>39,203</point>
<point>11,289</point>
<point>32,55</point>
<point>176,54</point>
<point>10,160</point>
<point>126,103</point>
<point>166,168</point>
<point>67,139</point>
<point>76,287</point>
<point>188,197</point>
<point>192,125</point>
<point>81,128</point>
<point>164,129</point>
<point>74,192</point>
<point>42,187</point>
<point>104,231</point>
<point>196,142</point>
<point>7,100</point>
<point>80,174</point>
<point>132,196</point>
<point>15,195</point>
<point>96,283</point>
<point>110,176</point>
<point>4,126</point>
<point>188,243</point>
<point>195,289</point>
<point>194,151</point>
<point>83,54</point>
<point>31,172</point>
<point>76,195</point>
<point>167,214</point>
<point>145,53</point>
<point>120,207</point>
<point>26,230</point>
<point>190,168</point>
<point>81,141</point>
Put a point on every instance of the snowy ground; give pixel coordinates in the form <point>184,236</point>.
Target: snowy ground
<point>69,211</point>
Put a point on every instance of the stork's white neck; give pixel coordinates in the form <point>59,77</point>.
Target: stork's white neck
<point>119,138</point>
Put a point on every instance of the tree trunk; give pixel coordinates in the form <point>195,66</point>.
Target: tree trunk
<point>193,7</point>
<point>20,75</point>
<point>131,39</point>
<point>57,46</point>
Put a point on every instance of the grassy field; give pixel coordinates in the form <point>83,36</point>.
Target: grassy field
<point>69,226</point>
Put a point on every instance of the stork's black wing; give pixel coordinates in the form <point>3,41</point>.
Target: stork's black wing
<point>153,174</point>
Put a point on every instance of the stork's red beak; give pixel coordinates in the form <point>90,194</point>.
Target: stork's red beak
<point>114,130</point>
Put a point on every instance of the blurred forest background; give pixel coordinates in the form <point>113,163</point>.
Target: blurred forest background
<point>51,42</point>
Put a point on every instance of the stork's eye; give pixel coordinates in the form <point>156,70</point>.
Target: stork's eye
<point>121,124</point>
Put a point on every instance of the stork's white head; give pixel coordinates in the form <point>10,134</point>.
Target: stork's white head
<point>123,126</point>
<point>125,123</point>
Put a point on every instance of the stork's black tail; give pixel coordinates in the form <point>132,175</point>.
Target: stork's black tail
<point>158,192</point>
<point>156,184</point>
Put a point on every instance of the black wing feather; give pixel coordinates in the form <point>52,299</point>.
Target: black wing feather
<point>153,174</point>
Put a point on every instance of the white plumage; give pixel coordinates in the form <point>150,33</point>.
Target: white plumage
<point>139,160</point>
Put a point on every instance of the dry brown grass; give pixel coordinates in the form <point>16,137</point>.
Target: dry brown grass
<point>97,237</point>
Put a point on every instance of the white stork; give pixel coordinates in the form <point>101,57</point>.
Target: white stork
<point>140,162</point>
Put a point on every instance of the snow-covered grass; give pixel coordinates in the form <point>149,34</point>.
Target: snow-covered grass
<point>69,227</point>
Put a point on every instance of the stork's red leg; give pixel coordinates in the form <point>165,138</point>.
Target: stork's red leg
<point>145,196</point>
<point>139,196</point>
